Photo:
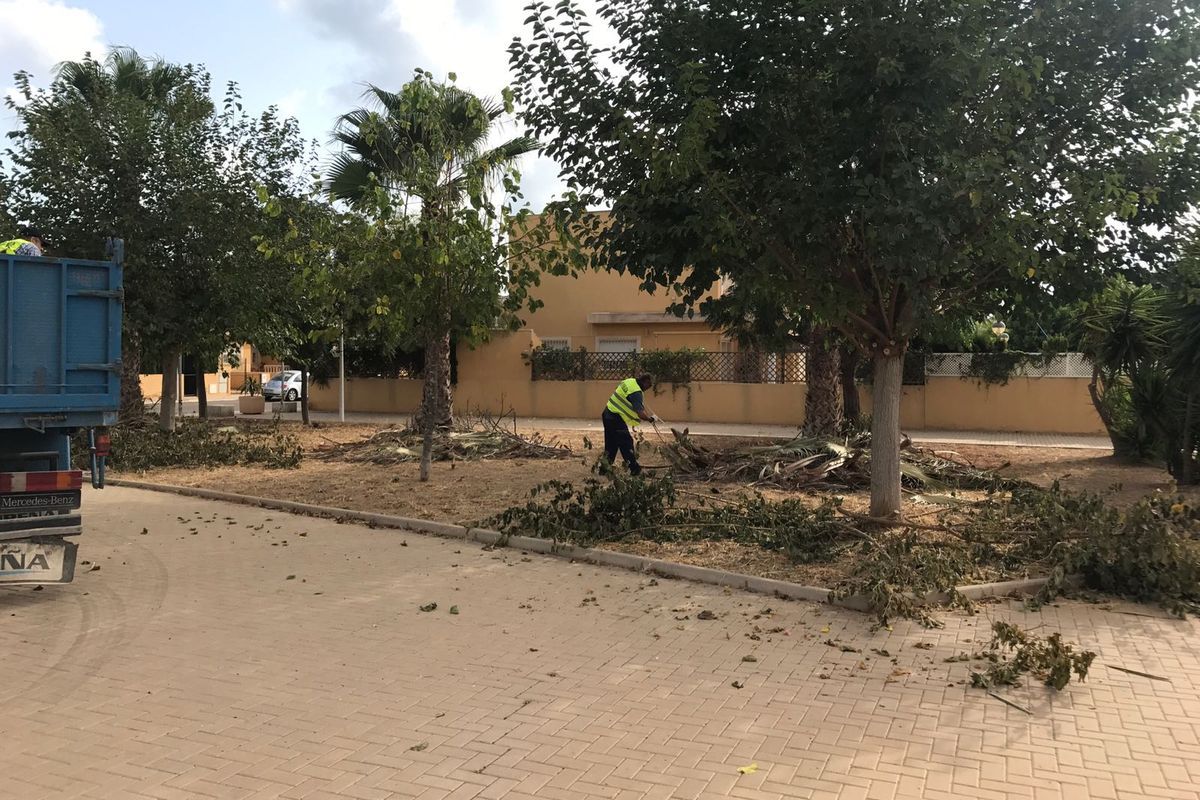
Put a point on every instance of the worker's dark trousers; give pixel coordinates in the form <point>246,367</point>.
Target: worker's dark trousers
<point>617,437</point>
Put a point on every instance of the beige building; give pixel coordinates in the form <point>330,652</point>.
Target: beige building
<point>607,312</point>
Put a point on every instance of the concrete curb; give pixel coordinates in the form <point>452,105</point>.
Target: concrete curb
<point>607,558</point>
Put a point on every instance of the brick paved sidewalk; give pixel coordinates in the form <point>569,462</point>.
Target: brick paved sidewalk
<point>193,665</point>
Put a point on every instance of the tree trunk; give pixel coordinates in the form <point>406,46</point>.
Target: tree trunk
<point>437,398</point>
<point>885,435</point>
<point>201,389</point>
<point>304,396</point>
<point>1102,410</point>
<point>170,392</point>
<point>851,406</point>
<point>822,403</point>
<point>133,402</point>
<point>1187,469</point>
<point>427,450</point>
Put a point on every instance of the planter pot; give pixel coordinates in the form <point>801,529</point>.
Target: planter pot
<point>251,404</point>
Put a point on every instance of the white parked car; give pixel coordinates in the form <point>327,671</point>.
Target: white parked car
<point>283,386</point>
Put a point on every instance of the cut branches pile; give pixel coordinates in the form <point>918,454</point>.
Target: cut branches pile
<point>399,446</point>
<point>1149,552</point>
<point>139,445</point>
<point>817,463</point>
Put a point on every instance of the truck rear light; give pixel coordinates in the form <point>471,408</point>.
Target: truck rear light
<point>103,444</point>
<point>18,482</point>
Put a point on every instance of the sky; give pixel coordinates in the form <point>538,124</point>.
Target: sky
<point>309,57</point>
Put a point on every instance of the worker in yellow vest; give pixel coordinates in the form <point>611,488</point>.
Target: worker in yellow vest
<point>626,407</point>
<point>29,242</point>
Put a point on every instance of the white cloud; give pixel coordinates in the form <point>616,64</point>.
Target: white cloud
<point>38,34</point>
<point>391,38</point>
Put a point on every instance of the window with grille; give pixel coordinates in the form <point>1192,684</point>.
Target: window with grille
<point>616,344</point>
<point>556,342</point>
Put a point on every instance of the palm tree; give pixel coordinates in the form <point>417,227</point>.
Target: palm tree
<point>123,72</point>
<point>153,87</point>
<point>429,143</point>
<point>1120,332</point>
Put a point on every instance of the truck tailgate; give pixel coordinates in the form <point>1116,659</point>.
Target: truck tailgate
<point>60,342</point>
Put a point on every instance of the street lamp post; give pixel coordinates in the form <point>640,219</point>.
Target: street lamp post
<point>341,353</point>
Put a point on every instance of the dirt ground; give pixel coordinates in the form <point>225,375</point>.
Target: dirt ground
<point>470,492</point>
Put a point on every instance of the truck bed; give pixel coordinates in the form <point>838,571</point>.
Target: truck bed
<point>60,342</point>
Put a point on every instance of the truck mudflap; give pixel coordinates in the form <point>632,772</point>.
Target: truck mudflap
<point>36,561</point>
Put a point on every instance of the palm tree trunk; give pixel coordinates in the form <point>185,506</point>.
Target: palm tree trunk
<point>822,402</point>
<point>1101,409</point>
<point>437,410</point>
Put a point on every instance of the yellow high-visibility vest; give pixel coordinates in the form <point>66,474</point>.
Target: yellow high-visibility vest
<point>12,246</point>
<point>619,403</point>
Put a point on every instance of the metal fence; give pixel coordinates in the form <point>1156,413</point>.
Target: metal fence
<point>669,366</point>
<point>1026,365</point>
<point>694,366</point>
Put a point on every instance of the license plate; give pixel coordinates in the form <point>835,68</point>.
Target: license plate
<point>38,502</point>
<point>42,561</point>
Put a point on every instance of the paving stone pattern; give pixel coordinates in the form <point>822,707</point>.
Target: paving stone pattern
<point>191,665</point>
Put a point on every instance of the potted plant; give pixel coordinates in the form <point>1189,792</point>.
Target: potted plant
<point>251,400</point>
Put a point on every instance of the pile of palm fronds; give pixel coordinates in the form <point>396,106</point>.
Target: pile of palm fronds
<point>811,462</point>
<point>402,445</point>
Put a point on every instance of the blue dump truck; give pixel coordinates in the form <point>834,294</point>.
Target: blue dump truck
<point>60,373</point>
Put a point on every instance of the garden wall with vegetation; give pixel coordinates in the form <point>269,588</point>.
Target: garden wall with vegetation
<point>496,377</point>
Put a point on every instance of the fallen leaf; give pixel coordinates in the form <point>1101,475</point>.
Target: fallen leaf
<point>290,578</point>
<point>825,629</point>
<point>749,769</point>
<point>419,747</point>
<point>453,609</point>
<point>738,684</point>
<point>429,607</point>
<point>749,659</point>
<point>706,614</point>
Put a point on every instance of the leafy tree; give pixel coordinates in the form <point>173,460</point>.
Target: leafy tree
<point>323,289</point>
<point>138,148</point>
<point>7,223</point>
<point>886,161</point>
